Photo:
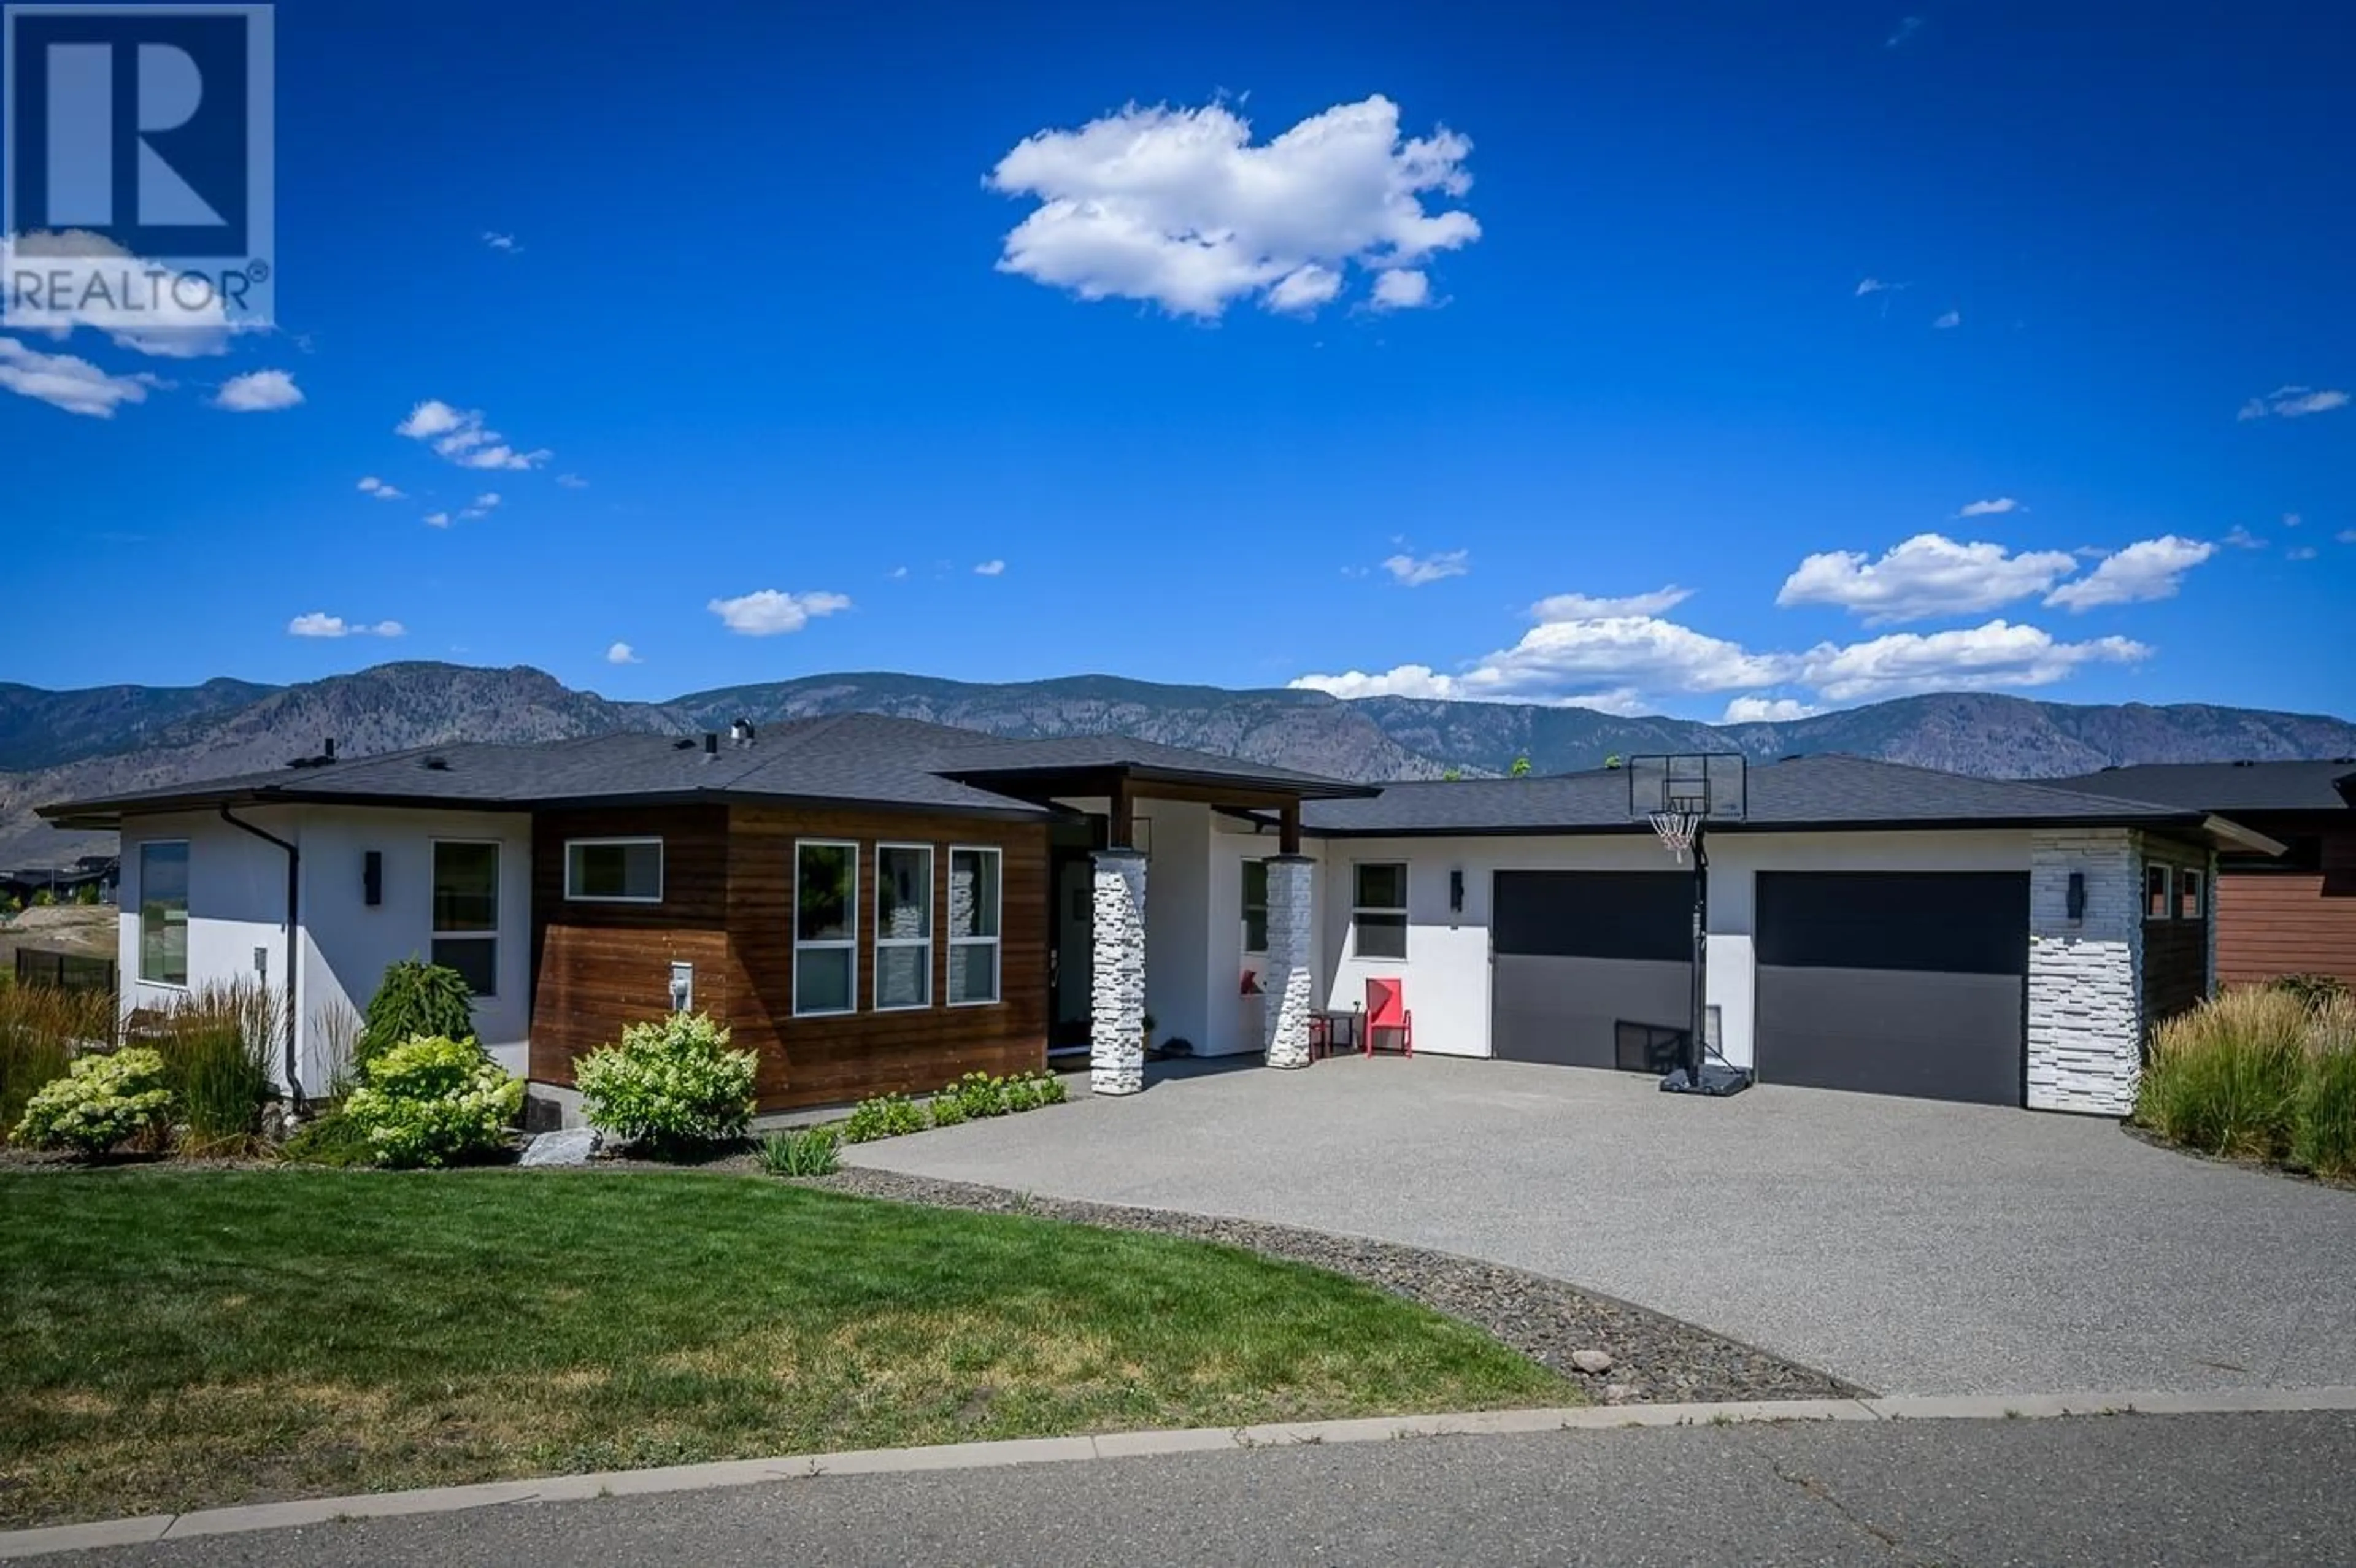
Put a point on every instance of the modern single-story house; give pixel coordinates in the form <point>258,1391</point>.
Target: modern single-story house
<point>2293,914</point>
<point>874,903</point>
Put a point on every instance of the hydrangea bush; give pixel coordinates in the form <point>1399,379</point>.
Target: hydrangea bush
<point>100,1102</point>
<point>672,1083</point>
<point>432,1099</point>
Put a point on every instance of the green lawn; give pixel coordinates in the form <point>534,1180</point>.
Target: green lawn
<point>177,1338</point>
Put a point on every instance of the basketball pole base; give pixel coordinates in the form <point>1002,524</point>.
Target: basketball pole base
<point>1716,1082</point>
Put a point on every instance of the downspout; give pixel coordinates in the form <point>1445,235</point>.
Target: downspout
<point>293,902</point>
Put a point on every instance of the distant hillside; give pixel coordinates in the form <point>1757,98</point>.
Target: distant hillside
<point>56,745</point>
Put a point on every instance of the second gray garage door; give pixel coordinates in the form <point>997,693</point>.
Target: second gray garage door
<point>1894,982</point>
<point>1591,969</point>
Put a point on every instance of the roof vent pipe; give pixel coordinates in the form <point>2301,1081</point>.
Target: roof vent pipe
<point>740,732</point>
<point>328,749</point>
<point>710,744</point>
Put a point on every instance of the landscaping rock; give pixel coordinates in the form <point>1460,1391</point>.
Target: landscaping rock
<point>1594,1362</point>
<point>573,1146</point>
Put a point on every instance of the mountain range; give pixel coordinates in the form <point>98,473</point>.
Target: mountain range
<point>56,745</point>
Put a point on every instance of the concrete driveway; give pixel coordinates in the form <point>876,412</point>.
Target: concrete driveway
<point>1913,1247</point>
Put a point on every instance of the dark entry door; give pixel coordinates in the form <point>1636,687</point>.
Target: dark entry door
<point>1591,969</point>
<point>1894,982</point>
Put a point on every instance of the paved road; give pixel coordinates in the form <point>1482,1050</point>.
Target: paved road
<point>1913,1248</point>
<point>2148,1489</point>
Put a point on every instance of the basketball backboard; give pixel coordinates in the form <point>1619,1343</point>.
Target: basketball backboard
<point>1711,785</point>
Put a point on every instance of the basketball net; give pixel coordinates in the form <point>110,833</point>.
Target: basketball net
<point>1676,830</point>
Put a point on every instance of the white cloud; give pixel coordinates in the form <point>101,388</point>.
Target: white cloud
<point>1907,27</point>
<point>1876,286</point>
<point>2241,538</point>
<point>258,392</point>
<point>2346,536</point>
<point>460,435</point>
<point>1767,711</point>
<point>438,520</point>
<point>505,242</point>
<point>1414,571</point>
<point>319,624</point>
<point>1587,607</point>
<point>1179,207</point>
<point>2150,569</point>
<point>1996,507</point>
<point>571,482</point>
<point>1999,654</point>
<point>483,505</point>
<point>1947,319</point>
<point>1402,288</point>
<point>2303,552</point>
<point>767,612</point>
<point>2290,519</point>
<point>622,652</point>
<point>63,381</point>
<point>1929,574</point>
<point>1406,680</point>
<point>370,485</point>
<point>2293,402</point>
<point>990,569</point>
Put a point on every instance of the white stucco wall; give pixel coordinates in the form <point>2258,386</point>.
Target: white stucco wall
<point>237,902</point>
<point>1446,972</point>
<point>1238,1022</point>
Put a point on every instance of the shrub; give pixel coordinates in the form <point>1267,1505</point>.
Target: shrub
<point>414,998</point>
<point>1029,1090</point>
<point>944,1111</point>
<point>2325,1138</point>
<point>335,1049</point>
<point>333,1138</point>
<point>2224,1078</point>
<point>884,1116</point>
<point>434,1100</point>
<point>977,1094</point>
<point>101,1102</point>
<point>219,1042</point>
<point>41,1026</point>
<point>671,1084</point>
<point>2315,992</point>
<point>808,1152</point>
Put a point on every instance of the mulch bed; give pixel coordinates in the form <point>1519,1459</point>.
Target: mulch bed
<point>1654,1359</point>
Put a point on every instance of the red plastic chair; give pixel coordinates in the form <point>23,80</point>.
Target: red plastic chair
<point>1386,1008</point>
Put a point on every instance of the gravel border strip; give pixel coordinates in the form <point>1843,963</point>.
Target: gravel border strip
<point>1655,1359</point>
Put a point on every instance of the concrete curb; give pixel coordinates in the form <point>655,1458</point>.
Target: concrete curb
<point>1135,1444</point>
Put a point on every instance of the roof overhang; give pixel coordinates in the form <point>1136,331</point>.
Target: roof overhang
<point>1148,782</point>
<point>2224,833</point>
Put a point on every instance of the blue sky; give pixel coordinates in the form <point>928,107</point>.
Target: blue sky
<point>1648,353</point>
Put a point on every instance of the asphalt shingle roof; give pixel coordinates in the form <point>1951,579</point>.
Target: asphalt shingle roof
<point>1829,791</point>
<point>2225,786</point>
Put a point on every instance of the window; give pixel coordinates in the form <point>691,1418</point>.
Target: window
<point>826,936</point>
<point>2191,892</point>
<point>614,870</point>
<point>1255,906</point>
<point>2155,892</point>
<point>1378,908</point>
<point>163,912</point>
<point>466,911</point>
<point>903,925</point>
<point>973,926</point>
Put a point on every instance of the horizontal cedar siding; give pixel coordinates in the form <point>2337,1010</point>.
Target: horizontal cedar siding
<point>2290,922</point>
<point>598,966</point>
<point>825,1061</point>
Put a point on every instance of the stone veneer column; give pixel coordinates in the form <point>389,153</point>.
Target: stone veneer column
<point>2086,976</point>
<point>1116,997</point>
<point>1291,931</point>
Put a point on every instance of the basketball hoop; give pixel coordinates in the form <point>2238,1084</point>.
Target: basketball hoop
<point>1676,830</point>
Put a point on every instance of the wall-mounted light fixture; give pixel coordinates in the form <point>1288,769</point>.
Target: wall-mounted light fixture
<point>1456,890</point>
<point>682,987</point>
<point>373,878</point>
<point>2077,896</point>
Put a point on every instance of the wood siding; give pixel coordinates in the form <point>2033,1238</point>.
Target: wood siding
<point>2290,922</point>
<point>2174,967</point>
<point>727,908</point>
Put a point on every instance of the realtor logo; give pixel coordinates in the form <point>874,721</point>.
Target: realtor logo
<point>137,165</point>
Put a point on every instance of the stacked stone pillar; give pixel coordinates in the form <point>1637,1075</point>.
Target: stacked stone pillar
<point>1291,931</point>
<point>1117,999</point>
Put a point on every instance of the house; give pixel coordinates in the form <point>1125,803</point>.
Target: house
<point>874,904</point>
<point>91,877</point>
<point>2289,914</point>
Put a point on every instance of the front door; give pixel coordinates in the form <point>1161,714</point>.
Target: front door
<point>1070,961</point>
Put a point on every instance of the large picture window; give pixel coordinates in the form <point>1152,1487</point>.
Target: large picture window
<point>1255,906</point>
<point>614,870</point>
<point>466,911</point>
<point>163,912</point>
<point>903,925</point>
<point>826,927</point>
<point>973,926</point>
<point>1378,908</point>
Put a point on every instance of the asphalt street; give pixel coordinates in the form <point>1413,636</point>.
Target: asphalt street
<point>2192,1489</point>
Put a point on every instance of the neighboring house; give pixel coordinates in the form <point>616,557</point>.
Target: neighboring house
<point>2289,914</point>
<point>65,884</point>
<point>874,903</point>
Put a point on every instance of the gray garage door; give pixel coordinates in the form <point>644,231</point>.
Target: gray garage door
<point>1592,968</point>
<point>1894,982</point>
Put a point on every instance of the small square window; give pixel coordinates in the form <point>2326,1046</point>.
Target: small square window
<point>2157,893</point>
<point>1379,909</point>
<point>2192,895</point>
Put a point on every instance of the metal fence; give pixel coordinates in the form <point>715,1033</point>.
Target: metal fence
<point>66,971</point>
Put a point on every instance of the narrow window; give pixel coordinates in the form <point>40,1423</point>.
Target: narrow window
<point>1379,909</point>
<point>973,926</point>
<point>2155,892</point>
<point>614,870</point>
<point>826,936</point>
<point>163,912</point>
<point>2191,894</point>
<point>466,911</point>
<point>903,925</point>
<point>1255,906</point>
